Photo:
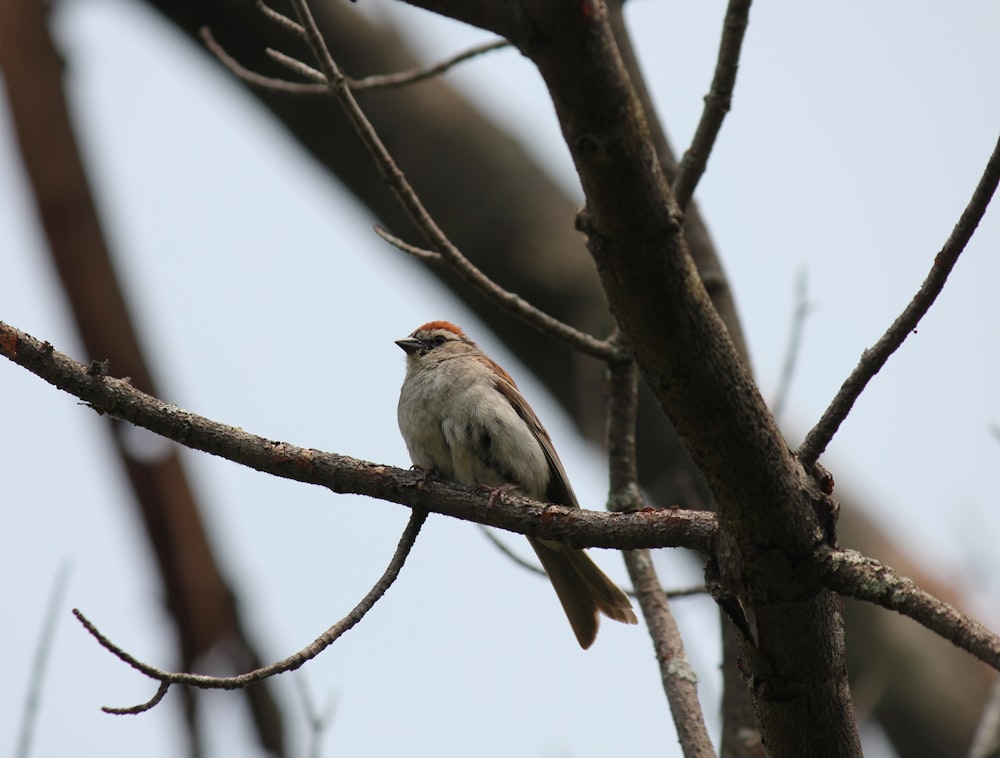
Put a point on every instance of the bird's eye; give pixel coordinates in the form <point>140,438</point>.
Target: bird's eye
<point>439,340</point>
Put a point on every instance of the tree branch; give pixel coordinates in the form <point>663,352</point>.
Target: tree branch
<point>873,359</point>
<point>342,474</point>
<point>717,103</point>
<point>292,662</point>
<point>852,574</point>
<point>386,81</point>
<point>338,86</point>
<point>680,683</point>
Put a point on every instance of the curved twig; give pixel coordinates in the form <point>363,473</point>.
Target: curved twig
<point>852,574</point>
<point>384,81</point>
<point>292,662</point>
<point>874,358</point>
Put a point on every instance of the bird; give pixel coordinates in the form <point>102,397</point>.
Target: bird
<point>464,419</point>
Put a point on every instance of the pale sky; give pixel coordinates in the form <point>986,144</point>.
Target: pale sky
<point>857,135</point>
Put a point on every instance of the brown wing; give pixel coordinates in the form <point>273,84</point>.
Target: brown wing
<point>584,591</point>
<point>559,490</point>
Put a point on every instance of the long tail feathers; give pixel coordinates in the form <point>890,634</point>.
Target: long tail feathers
<point>583,589</point>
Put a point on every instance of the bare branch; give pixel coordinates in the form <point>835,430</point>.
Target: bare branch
<point>292,662</point>
<point>294,64</point>
<point>281,19</point>
<point>405,247</point>
<point>381,81</point>
<point>500,545</point>
<point>252,77</point>
<point>134,710</point>
<point>679,680</point>
<point>873,359</point>
<point>717,103</point>
<point>333,81</point>
<point>318,85</point>
<point>623,404</point>
<point>794,346</point>
<point>852,574</point>
<point>338,84</point>
<point>579,528</point>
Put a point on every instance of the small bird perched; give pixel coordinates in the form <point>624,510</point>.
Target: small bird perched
<point>463,417</point>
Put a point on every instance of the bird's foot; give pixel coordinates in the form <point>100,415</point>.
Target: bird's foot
<point>426,475</point>
<point>496,492</point>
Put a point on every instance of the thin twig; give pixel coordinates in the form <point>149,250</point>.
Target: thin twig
<point>502,547</point>
<point>294,64</point>
<point>381,81</point>
<point>281,19</point>
<point>397,181</point>
<point>252,77</point>
<point>39,663</point>
<point>692,591</point>
<point>873,359</point>
<point>794,348</point>
<point>679,680</point>
<point>430,256</point>
<point>168,678</point>
<point>852,574</point>
<point>717,103</point>
<point>487,286</point>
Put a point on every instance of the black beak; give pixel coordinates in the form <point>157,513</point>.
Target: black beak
<point>409,345</point>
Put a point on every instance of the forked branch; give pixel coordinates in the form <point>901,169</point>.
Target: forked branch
<point>319,88</point>
<point>292,662</point>
<point>339,86</point>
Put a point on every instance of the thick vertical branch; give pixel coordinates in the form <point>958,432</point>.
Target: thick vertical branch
<point>740,738</point>
<point>764,497</point>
